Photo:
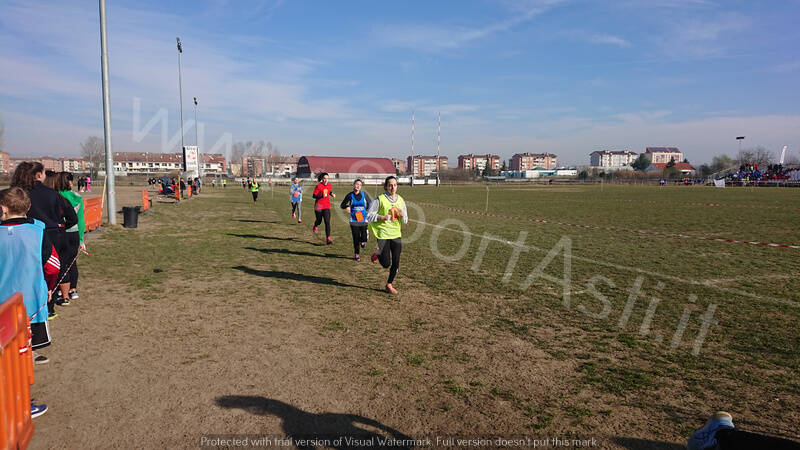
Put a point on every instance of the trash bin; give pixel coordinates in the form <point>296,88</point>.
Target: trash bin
<point>130,216</point>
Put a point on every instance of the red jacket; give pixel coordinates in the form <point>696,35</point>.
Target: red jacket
<point>321,195</point>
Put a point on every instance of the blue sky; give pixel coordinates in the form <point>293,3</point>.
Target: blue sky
<point>341,78</point>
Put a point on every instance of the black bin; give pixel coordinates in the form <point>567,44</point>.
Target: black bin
<point>130,216</point>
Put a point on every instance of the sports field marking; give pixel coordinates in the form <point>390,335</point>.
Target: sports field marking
<point>735,292</point>
<point>615,229</point>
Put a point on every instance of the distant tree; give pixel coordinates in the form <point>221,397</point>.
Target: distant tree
<point>671,162</point>
<point>583,175</point>
<point>641,163</point>
<point>2,132</point>
<point>722,162</point>
<point>93,149</point>
<point>706,170</point>
<point>505,167</point>
<point>686,160</point>
<point>763,157</point>
<point>791,160</point>
<point>671,172</point>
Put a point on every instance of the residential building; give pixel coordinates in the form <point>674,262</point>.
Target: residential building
<point>529,161</point>
<point>75,165</point>
<point>659,155</point>
<point>130,163</point>
<point>48,162</point>
<point>423,166</point>
<point>480,162</point>
<point>399,166</point>
<point>612,159</point>
<point>5,162</point>
<point>344,168</point>
<point>254,166</point>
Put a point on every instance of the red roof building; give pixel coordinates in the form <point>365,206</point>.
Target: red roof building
<point>344,167</point>
<point>685,168</point>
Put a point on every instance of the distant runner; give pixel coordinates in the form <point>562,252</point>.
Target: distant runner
<point>254,190</point>
<point>322,205</point>
<point>296,198</point>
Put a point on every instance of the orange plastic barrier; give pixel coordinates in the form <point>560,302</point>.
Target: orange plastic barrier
<point>93,212</point>
<point>145,200</point>
<point>16,375</point>
<point>188,192</point>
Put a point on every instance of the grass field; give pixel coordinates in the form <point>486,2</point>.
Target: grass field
<point>524,317</point>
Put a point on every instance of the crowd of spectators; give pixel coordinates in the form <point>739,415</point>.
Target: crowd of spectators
<point>752,173</point>
<point>42,227</point>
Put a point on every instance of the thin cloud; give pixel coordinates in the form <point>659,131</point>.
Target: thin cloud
<point>608,39</point>
<point>435,38</point>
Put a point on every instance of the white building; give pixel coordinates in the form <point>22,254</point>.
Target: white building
<point>663,155</point>
<point>132,163</point>
<point>612,159</point>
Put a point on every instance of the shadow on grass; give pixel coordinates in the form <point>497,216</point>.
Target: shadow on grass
<point>646,444</point>
<point>298,424</point>
<point>296,277</point>
<point>284,251</point>
<point>273,238</point>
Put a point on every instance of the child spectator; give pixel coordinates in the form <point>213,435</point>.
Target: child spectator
<point>74,234</point>
<point>28,264</point>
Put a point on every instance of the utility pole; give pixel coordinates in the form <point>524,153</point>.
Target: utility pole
<point>196,142</point>
<point>110,192</point>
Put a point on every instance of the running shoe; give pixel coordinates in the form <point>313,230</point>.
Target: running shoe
<point>357,257</point>
<point>294,216</point>
<point>705,437</point>
<point>390,289</point>
<point>299,221</point>
<point>61,301</point>
<point>329,241</point>
<point>73,295</point>
<point>38,410</point>
<point>374,257</point>
<point>314,229</point>
<point>52,315</point>
<point>40,359</point>
<point>363,245</point>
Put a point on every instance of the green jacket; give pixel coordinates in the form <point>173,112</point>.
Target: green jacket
<point>77,202</point>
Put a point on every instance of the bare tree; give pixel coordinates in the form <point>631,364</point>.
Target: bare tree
<point>93,149</point>
<point>758,155</point>
<point>2,132</point>
<point>722,162</point>
<point>273,157</point>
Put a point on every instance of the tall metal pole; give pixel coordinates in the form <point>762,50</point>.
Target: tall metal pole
<point>412,145</point>
<point>196,142</point>
<point>110,192</point>
<point>180,87</point>
<point>438,142</point>
<point>180,96</point>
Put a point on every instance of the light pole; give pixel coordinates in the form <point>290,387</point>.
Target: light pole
<point>180,97</point>
<point>196,143</point>
<point>112,203</point>
<point>740,139</point>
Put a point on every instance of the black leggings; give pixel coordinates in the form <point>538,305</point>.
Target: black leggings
<point>73,245</point>
<point>323,214</point>
<point>385,247</point>
<point>734,439</point>
<point>255,195</point>
<point>359,236</point>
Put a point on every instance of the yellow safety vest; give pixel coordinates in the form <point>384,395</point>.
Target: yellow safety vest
<point>387,229</point>
<point>254,187</point>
